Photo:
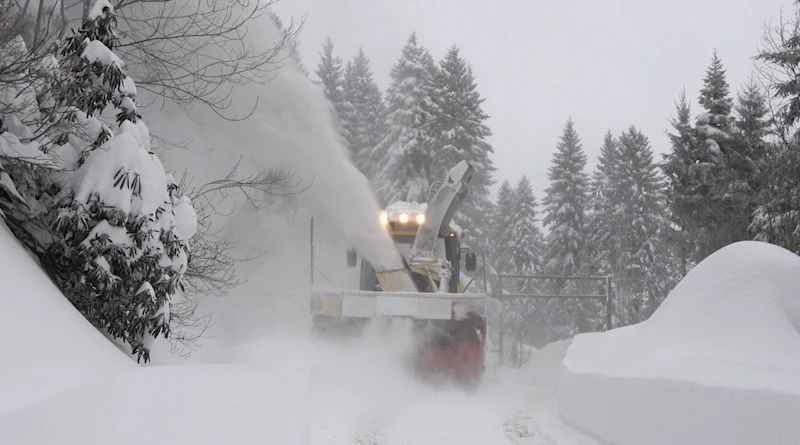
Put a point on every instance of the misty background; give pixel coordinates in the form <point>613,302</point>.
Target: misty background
<point>606,64</point>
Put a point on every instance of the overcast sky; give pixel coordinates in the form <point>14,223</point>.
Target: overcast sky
<point>608,64</point>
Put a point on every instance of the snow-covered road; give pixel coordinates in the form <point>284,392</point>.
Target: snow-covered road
<point>361,394</point>
<point>72,387</point>
<point>500,414</point>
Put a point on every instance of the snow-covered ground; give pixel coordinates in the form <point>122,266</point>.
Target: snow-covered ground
<point>63,382</point>
<point>719,361</point>
<point>47,345</point>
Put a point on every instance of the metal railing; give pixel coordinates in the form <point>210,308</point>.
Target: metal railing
<point>607,297</point>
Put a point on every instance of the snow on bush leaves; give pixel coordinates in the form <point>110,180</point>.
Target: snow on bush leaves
<point>120,248</point>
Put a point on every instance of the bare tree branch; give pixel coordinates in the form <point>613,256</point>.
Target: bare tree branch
<point>193,53</point>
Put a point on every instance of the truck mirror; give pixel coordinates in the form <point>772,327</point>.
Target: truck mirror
<point>352,258</point>
<point>472,262</point>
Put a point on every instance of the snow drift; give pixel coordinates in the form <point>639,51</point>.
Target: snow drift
<point>543,368</point>
<point>47,345</point>
<point>718,362</point>
<point>222,404</point>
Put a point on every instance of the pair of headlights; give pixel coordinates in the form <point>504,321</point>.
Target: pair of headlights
<point>403,218</point>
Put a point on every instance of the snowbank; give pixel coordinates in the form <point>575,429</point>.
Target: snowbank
<point>208,404</point>
<point>719,361</point>
<point>47,345</point>
<point>543,368</point>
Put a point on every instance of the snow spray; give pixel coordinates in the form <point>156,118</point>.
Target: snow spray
<point>299,119</point>
<point>290,127</point>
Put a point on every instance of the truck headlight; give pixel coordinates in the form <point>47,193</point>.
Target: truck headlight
<point>420,218</point>
<point>384,217</point>
<point>404,218</point>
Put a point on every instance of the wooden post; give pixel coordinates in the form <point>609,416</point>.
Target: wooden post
<point>311,271</point>
<point>502,313</point>
<point>608,303</point>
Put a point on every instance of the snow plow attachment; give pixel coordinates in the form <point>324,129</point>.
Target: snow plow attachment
<point>413,305</point>
<point>449,329</point>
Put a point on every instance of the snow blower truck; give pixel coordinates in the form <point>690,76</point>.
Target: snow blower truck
<point>449,323</point>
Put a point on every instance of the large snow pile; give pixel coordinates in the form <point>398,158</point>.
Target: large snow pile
<point>543,368</point>
<point>718,362</point>
<point>47,345</point>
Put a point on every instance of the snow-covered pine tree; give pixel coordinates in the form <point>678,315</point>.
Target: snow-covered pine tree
<point>501,241</point>
<point>715,122</point>
<point>527,238</point>
<point>694,168</point>
<point>713,128</point>
<point>121,243</point>
<point>565,204</point>
<point>460,133</point>
<point>404,152</point>
<point>500,248</point>
<point>683,167</point>
<point>777,54</point>
<point>752,154</point>
<point>729,168</point>
<point>603,199</point>
<point>777,217</point>
<point>526,250</point>
<point>639,221</point>
<point>331,80</point>
<point>752,116</point>
<point>744,160</point>
<point>366,104</point>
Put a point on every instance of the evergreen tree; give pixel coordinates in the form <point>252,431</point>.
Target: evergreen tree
<point>121,243</point>
<point>753,126</point>
<point>366,104</point>
<point>329,71</point>
<point>714,129</point>
<point>715,100</point>
<point>777,216</point>
<point>527,239</point>
<point>639,219</point>
<point>405,157</point>
<point>744,160</point>
<point>566,201</point>
<point>460,134</point>
<point>683,168</point>
<point>603,199</point>
<point>752,119</point>
<point>330,74</point>
<point>565,206</point>
<point>501,243</point>
<point>695,170</point>
<point>779,56</point>
<point>507,259</point>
